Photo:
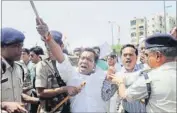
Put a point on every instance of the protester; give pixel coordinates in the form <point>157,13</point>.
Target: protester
<point>100,62</point>
<point>112,62</point>
<point>87,71</point>
<point>129,54</point>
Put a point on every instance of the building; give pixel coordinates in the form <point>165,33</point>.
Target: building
<point>143,27</point>
<point>155,24</point>
<point>138,29</point>
<point>170,23</point>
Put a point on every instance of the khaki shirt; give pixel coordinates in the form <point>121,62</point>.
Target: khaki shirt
<point>45,77</point>
<point>11,83</point>
<point>163,89</point>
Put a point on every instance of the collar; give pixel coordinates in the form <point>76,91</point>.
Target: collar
<point>125,71</point>
<point>168,65</point>
<point>6,63</point>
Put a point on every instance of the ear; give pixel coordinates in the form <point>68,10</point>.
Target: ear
<point>158,56</point>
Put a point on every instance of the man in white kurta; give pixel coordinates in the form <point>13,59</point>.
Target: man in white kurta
<point>89,99</point>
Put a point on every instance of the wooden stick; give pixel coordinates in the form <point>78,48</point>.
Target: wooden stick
<point>35,11</point>
<point>66,99</point>
<point>39,109</point>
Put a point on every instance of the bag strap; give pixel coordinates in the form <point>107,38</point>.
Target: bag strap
<point>56,74</point>
<point>148,85</point>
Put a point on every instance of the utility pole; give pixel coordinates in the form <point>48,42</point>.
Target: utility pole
<point>112,32</point>
<point>164,16</point>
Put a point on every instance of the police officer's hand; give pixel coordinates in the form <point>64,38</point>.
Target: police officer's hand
<point>14,107</point>
<point>72,91</point>
<point>42,27</point>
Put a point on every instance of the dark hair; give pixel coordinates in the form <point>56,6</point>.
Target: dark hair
<point>26,50</point>
<point>77,49</point>
<point>90,50</point>
<point>96,47</point>
<point>112,55</point>
<point>129,45</point>
<point>37,50</point>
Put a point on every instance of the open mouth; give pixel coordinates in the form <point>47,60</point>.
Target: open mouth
<point>84,67</point>
<point>128,62</point>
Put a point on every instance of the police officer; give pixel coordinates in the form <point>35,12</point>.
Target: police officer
<point>158,86</point>
<point>11,78</point>
<point>50,87</point>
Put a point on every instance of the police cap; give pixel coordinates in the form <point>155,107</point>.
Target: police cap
<point>160,40</point>
<point>11,36</point>
<point>57,36</point>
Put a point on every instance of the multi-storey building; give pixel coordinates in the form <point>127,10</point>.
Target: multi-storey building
<point>138,29</point>
<point>143,27</point>
<point>155,24</point>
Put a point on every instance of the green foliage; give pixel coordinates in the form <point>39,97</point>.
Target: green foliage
<point>117,48</point>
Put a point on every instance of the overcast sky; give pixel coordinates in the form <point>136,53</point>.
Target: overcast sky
<point>85,23</point>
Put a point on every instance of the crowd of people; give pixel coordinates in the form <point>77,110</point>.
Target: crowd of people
<point>36,81</point>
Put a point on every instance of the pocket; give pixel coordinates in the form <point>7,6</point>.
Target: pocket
<point>20,82</point>
<point>6,91</point>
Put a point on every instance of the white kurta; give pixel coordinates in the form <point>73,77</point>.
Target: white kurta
<point>89,99</point>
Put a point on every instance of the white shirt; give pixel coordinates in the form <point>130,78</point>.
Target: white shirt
<point>89,99</point>
<point>115,100</point>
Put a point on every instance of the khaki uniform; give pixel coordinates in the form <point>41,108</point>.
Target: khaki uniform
<point>45,78</point>
<point>26,82</point>
<point>11,83</point>
<point>163,89</point>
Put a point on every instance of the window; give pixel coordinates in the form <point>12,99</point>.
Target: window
<point>153,25</point>
<point>141,33</point>
<point>152,18</point>
<point>142,20</point>
<point>160,18</point>
<point>133,28</point>
<point>141,27</point>
<point>133,34</point>
<point>133,22</point>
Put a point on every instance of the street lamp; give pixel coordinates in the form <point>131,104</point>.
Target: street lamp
<point>112,23</point>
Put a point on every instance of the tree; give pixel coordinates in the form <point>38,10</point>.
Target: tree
<point>116,48</point>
